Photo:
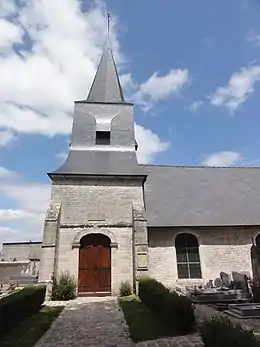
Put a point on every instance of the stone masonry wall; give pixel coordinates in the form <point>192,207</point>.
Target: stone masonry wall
<point>221,249</point>
<point>97,200</point>
<point>21,250</point>
<point>98,206</point>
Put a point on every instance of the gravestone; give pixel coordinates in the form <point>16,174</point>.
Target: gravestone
<point>218,282</point>
<point>251,311</point>
<point>240,281</point>
<point>210,284</point>
<point>255,260</point>
<point>225,278</point>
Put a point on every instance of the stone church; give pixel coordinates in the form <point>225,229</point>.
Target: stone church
<point>111,219</point>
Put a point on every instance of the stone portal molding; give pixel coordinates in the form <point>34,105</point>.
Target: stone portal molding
<point>106,232</point>
<point>139,212</point>
<point>53,211</point>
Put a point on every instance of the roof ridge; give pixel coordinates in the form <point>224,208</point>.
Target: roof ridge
<point>202,166</point>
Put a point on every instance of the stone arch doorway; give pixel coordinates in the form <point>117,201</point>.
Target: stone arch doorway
<point>94,265</point>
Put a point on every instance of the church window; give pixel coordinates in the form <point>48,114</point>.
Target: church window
<point>103,138</point>
<point>188,259</point>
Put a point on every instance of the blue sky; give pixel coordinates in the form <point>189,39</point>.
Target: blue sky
<point>192,68</point>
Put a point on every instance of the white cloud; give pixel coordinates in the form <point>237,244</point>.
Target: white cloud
<point>7,7</point>
<point>27,217</point>
<point>128,84</point>
<point>224,158</point>
<point>5,173</point>
<point>60,66</point>
<point>38,87</point>
<point>6,137</point>
<point>239,88</point>
<point>254,38</point>
<point>157,88</point>
<point>26,120</point>
<point>33,197</point>
<point>149,145</point>
<point>7,231</point>
<point>11,215</point>
<point>29,203</point>
<point>9,34</point>
<point>66,47</point>
<point>193,107</point>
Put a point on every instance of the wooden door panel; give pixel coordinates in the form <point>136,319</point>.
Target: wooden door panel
<point>87,281</point>
<point>104,257</point>
<point>88,258</point>
<point>104,279</point>
<point>94,268</point>
<point>104,269</point>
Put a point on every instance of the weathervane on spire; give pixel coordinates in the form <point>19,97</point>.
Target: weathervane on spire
<point>108,27</point>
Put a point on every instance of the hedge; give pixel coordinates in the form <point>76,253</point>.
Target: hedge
<point>220,332</point>
<point>175,310</point>
<point>19,305</point>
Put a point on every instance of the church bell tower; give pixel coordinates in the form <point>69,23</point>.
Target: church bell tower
<point>97,201</point>
<point>103,139</point>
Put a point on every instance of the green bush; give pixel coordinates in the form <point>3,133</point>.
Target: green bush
<point>175,310</point>
<point>64,287</point>
<point>220,332</point>
<point>125,289</point>
<point>20,305</point>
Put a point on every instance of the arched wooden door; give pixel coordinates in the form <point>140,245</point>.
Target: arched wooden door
<point>94,265</point>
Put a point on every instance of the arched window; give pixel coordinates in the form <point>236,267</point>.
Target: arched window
<point>188,259</point>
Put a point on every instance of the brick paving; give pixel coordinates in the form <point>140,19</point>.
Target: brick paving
<point>92,322</point>
<point>88,322</point>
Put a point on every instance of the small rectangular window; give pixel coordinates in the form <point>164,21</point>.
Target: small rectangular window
<point>103,138</point>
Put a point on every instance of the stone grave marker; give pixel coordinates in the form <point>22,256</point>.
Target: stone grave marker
<point>240,281</point>
<point>209,284</point>
<point>225,278</point>
<point>218,282</point>
<point>244,310</point>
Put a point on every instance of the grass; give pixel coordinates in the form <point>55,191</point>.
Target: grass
<point>143,324</point>
<point>29,331</point>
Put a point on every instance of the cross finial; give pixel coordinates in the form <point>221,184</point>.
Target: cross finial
<point>108,27</point>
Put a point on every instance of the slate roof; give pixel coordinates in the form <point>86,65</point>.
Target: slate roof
<point>174,196</point>
<point>101,163</point>
<point>202,196</point>
<point>106,86</point>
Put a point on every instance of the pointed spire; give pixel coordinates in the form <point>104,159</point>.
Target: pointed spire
<point>106,85</point>
<point>108,29</point>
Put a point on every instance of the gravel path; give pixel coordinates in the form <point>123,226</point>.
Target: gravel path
<point>92,322</point>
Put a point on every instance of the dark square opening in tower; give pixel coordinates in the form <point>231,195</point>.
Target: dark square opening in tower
<point>103,138</point>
